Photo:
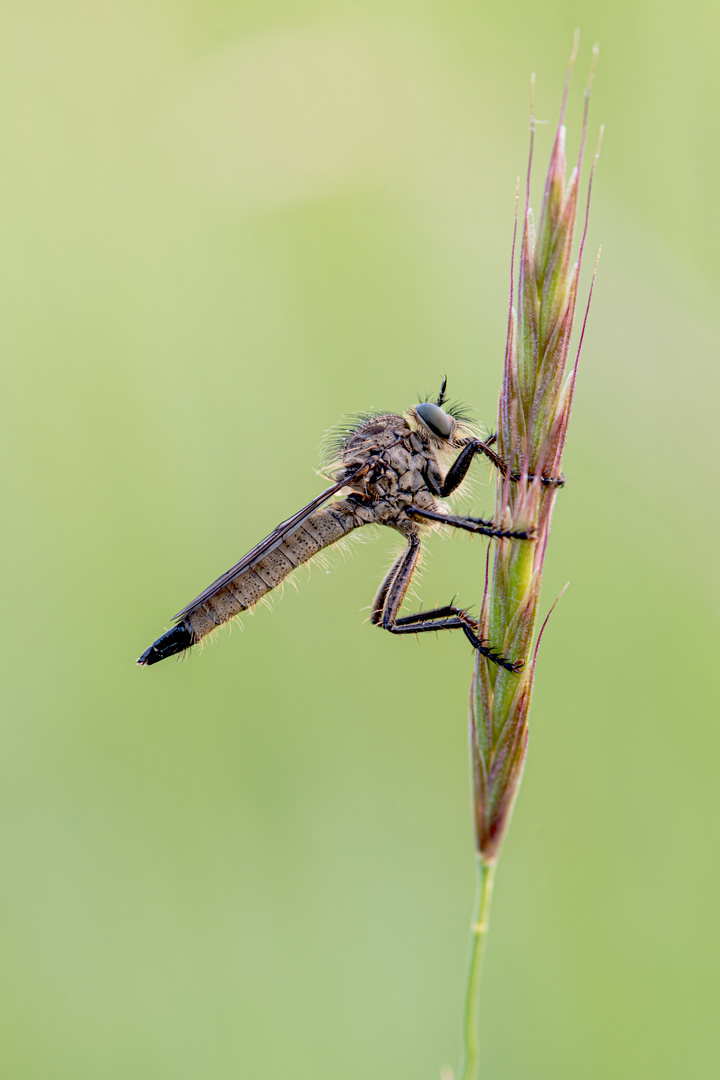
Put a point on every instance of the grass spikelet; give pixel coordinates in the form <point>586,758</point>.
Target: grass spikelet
<point>534,411</point>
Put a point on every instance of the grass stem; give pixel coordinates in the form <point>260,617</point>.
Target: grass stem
<point>478,934</point>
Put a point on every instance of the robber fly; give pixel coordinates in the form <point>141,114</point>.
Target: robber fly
<point>391,468</point>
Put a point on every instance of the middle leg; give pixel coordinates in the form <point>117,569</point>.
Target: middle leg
<point>470,524</point>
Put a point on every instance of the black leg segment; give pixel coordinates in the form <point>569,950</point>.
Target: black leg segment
<point>392,592</point>
<point>452,618</point>
<point>470,524</point>
<point>457,471</point>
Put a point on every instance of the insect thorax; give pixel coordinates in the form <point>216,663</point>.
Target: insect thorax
<point>404,467</point>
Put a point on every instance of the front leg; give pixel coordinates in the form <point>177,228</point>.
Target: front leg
<point>458,470</point>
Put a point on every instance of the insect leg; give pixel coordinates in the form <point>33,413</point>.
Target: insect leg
<point>378,604</point>
<point>470,524</point>
<point>392,593</point>
<point>458,470</point>
<point>452,618</point>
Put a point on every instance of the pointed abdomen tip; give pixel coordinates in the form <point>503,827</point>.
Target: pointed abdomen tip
<point>168,644</point>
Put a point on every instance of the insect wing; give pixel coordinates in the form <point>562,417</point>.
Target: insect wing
<point>274,540</point>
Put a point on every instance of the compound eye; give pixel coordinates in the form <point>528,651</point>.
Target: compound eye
<point>436,419</point>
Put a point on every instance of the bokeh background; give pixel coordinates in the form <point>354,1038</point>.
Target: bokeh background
<point>222,226</point>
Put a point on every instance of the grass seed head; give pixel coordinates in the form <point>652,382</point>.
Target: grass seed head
<point>534,411</point>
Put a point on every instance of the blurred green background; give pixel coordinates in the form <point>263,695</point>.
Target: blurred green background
<point>222,226</point>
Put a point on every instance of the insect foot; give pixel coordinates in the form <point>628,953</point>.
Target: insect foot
<point>485,649</point>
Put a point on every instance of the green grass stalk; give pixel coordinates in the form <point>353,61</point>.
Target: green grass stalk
<point>478,937</point>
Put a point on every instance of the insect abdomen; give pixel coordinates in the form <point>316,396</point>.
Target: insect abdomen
<point>171,642</point>
<point>322,528</point>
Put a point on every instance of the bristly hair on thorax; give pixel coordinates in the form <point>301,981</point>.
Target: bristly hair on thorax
<point>334,439</point>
